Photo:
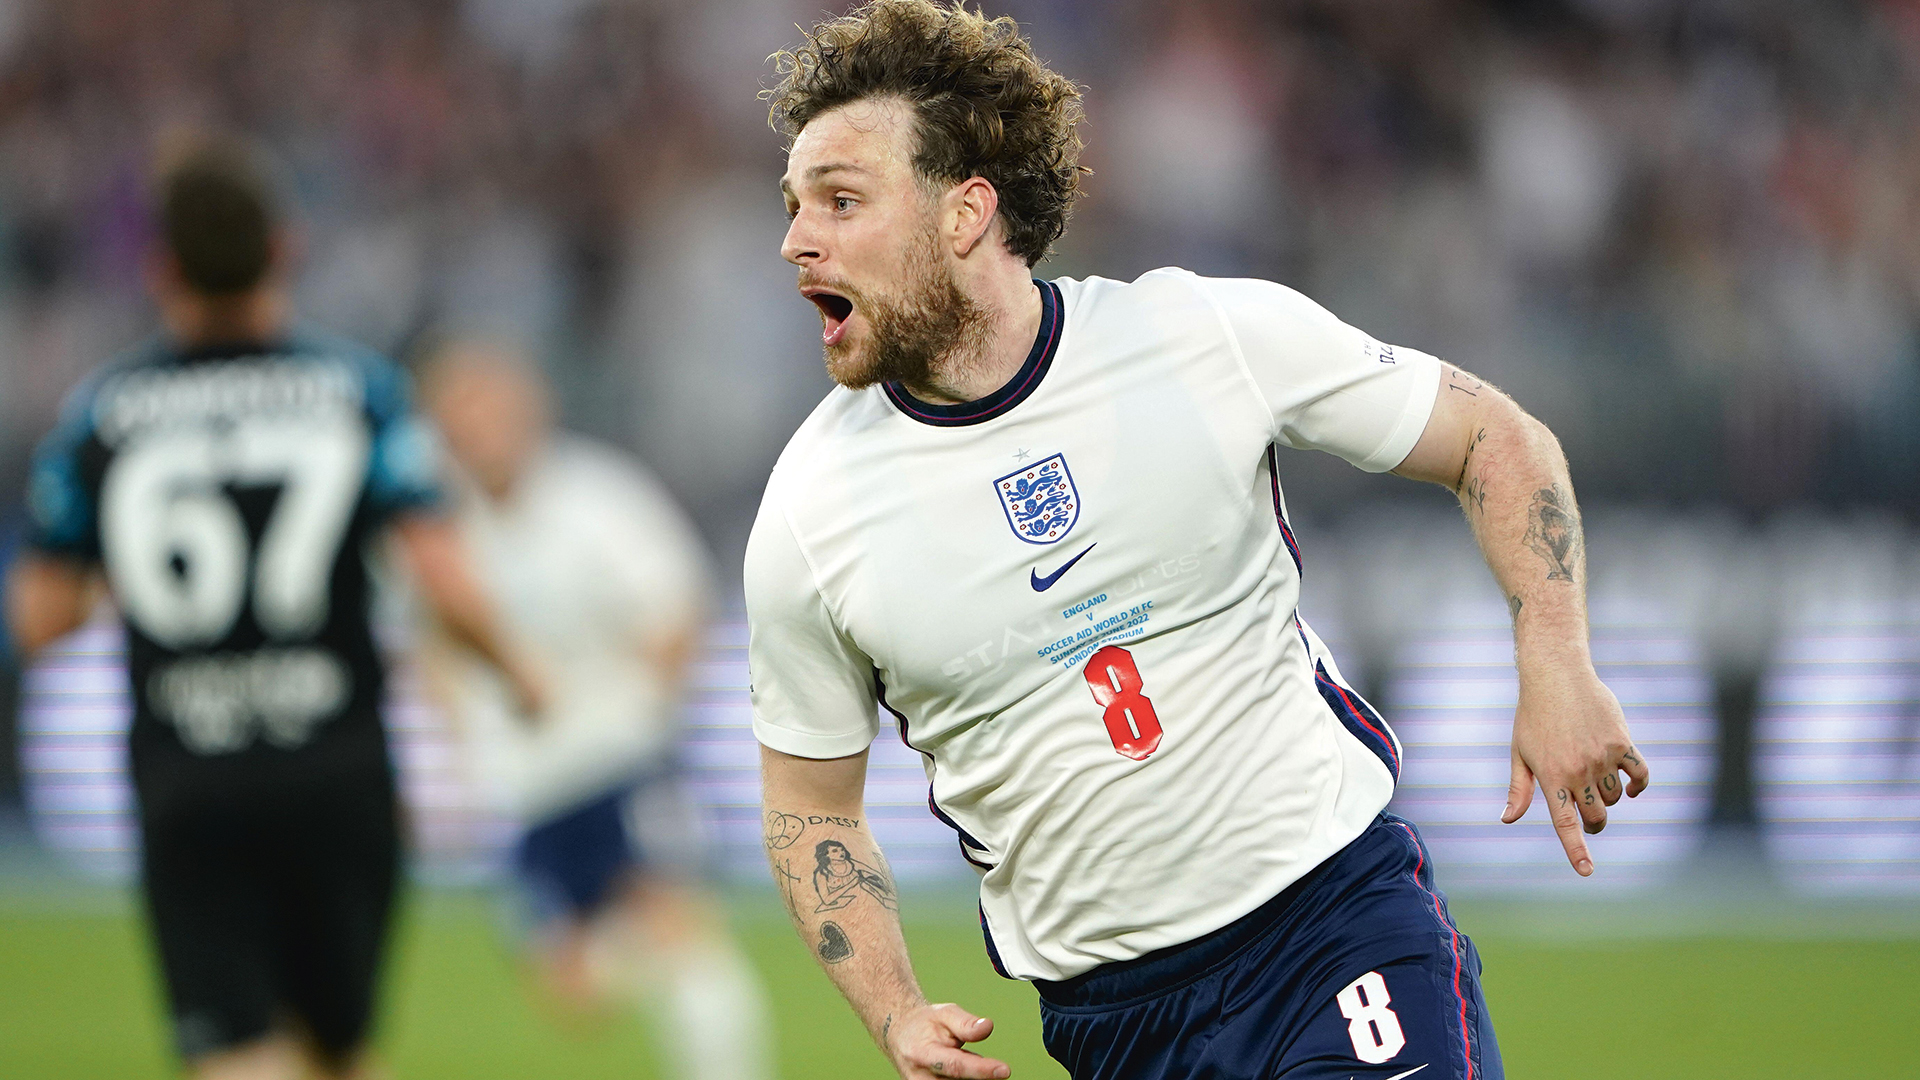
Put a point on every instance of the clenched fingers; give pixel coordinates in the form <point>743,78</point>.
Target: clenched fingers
<point>1635,767</point>
<point>1610,786</point>
<point>1593,809</point>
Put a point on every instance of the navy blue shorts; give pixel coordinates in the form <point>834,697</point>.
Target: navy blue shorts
<point>571,864</point>
<point>1356,971</point>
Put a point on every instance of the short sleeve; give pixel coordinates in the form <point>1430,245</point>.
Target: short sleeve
<point>404,467</point>
<point>812,688</point>
<point>61,514</point>
<point>1328,386</point>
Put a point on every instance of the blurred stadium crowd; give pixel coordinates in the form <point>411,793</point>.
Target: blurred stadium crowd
<point>1686,234</point>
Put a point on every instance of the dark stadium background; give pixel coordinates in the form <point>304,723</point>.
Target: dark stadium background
<point>1685,234</point>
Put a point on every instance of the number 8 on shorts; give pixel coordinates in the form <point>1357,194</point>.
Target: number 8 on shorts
<point>1374,1029</point>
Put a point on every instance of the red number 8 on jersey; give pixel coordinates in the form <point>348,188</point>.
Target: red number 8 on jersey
<point>1115,683</point>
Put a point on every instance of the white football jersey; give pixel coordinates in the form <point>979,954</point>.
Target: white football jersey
<point>1077,596</point>
<point>589,561</point>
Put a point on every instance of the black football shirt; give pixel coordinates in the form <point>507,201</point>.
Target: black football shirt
<point>229,495</point>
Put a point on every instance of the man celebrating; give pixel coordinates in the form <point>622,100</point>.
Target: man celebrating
<point>227,477</point>
<point>1041,523</point>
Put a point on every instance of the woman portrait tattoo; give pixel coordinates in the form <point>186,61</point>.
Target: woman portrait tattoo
<point>839,879</point>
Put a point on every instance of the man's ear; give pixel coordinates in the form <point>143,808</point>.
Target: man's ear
<point>286,247</point>
<point>162,273</point>
<point>972,207</point>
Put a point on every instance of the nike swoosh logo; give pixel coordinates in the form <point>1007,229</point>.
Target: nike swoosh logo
<point>1409,1072</point>
<point>1042,584</point>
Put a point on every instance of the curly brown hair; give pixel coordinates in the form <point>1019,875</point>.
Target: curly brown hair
<point>983,105</point>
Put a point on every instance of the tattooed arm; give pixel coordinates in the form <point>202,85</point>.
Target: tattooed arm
<point>1511,479</point>
<point>840,893</point>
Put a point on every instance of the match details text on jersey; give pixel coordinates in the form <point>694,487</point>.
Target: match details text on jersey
<point>1118,613</point>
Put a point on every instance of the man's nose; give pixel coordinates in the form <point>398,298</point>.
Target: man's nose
<point>800,248</point>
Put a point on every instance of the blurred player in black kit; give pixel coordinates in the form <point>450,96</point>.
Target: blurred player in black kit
<point>225,481</point>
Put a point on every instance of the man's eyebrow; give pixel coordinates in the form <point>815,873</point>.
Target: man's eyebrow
<point>815,172</point>
<point>818,171</point>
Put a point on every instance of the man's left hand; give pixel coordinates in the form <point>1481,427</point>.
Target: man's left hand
<point>1570,736</point>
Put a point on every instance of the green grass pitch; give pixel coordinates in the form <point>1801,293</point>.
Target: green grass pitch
<point>78,1001</point>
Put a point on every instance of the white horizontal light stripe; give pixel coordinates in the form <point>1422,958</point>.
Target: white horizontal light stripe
<point>1838,765</point>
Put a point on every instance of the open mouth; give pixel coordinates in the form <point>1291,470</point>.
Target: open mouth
<point>835,310</point>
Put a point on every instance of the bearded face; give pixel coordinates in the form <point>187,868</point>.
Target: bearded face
<point>909,323</point>
<point>864,231</point>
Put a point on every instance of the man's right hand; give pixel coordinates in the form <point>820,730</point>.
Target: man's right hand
<point>930,1042</point>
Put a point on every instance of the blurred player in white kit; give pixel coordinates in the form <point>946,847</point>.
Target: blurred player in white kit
<point>603,578</point>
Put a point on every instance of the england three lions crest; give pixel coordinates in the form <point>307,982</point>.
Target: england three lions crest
<point>1040,500</point>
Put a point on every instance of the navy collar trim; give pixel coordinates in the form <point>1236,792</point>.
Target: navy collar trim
<point>1018,389</point>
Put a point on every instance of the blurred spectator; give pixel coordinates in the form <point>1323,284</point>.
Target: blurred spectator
<point>599,574</point>
<point>1688,235</point>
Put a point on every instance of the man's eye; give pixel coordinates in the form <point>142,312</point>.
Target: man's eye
<point>792,212</point>
<point>842,204</point>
